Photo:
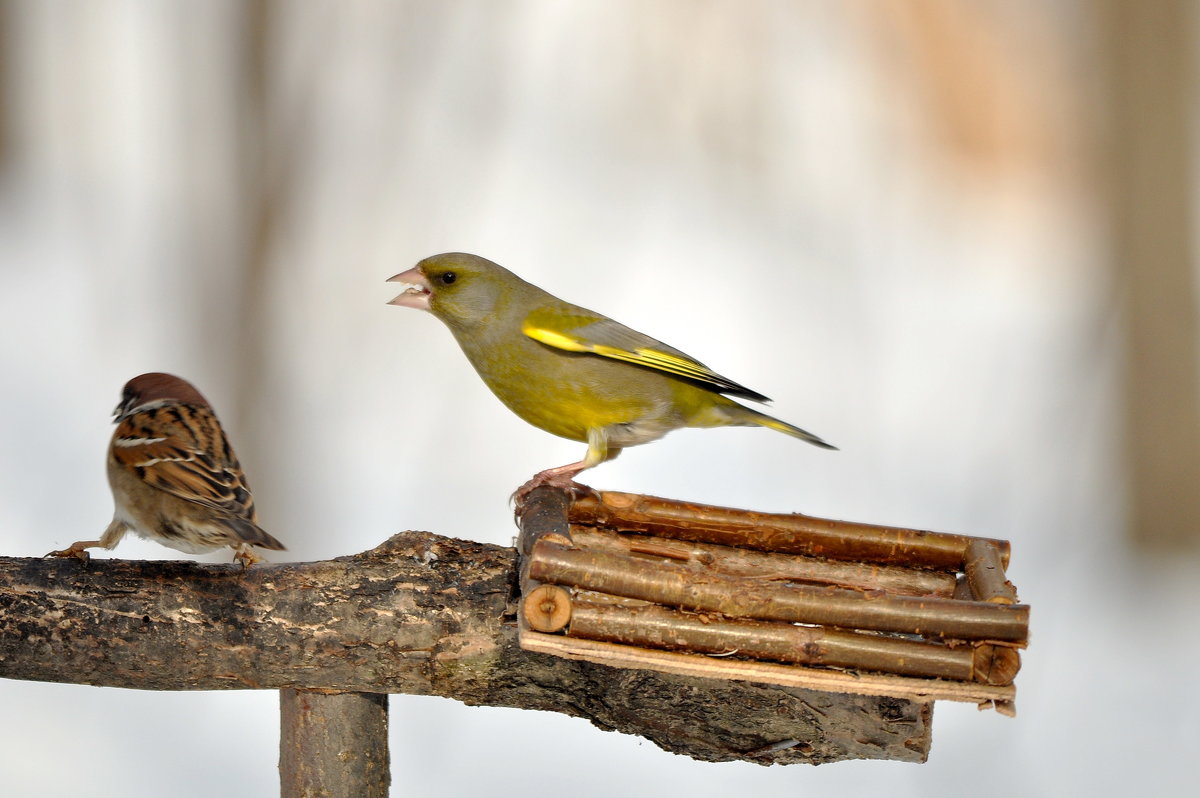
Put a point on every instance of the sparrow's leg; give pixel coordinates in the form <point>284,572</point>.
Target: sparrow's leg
<point>78,550</point>
<point>111,537</point>
<point>243,554</point>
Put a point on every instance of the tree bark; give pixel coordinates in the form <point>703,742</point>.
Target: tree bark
<point>420,614</point>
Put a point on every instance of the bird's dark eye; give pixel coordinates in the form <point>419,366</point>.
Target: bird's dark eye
<point>448,278</point>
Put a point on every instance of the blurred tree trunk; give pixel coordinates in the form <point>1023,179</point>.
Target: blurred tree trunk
<point>7,35</point>
<point>1148,58</point>
<point>264,169</point>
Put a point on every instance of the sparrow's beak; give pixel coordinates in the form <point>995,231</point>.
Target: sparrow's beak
<point>123,407</point>
<point>416,295</point>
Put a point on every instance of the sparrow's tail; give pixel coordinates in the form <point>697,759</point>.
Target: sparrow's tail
<point>253,534</point>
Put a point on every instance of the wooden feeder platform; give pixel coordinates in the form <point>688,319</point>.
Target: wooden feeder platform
<point>641,582</point>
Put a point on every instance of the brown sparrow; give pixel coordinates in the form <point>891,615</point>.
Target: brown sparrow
<point>174,476</point>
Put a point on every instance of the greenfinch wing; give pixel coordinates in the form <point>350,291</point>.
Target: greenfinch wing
<point>579,330</point>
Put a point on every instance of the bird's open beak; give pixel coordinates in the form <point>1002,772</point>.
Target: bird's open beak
<point>416,295</point>
<point>123,408</point>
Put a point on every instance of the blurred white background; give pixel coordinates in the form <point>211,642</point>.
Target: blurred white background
<point>897,218</point>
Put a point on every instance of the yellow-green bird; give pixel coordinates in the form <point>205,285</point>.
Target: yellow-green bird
<point>570,370</point>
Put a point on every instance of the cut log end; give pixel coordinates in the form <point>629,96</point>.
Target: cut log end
<point>547,609</point>
<point>995,664</point>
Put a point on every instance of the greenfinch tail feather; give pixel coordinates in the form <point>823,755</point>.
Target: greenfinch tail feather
<point>770,422</point>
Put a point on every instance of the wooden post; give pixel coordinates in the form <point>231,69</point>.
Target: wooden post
<point>1147,67</point>
<point>333,745</point>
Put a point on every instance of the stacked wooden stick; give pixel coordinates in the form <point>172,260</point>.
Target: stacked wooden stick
<point>638,581</point>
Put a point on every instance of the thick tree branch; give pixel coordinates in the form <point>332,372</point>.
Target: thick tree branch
<point>420,614</point>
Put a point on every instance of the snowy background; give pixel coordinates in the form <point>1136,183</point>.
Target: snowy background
<point>883,215</point>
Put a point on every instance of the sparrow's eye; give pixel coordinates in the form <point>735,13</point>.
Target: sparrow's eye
<point>448,278</point>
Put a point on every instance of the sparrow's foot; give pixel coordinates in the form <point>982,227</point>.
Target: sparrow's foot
<point>245,556</point>
<point>78,550</point>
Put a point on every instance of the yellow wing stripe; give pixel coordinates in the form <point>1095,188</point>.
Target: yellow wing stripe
<point>643,357</point>
<point>677,365</point>
<point>555,339</point>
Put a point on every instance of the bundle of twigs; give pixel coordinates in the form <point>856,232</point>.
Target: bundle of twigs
<point>646,582</point>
